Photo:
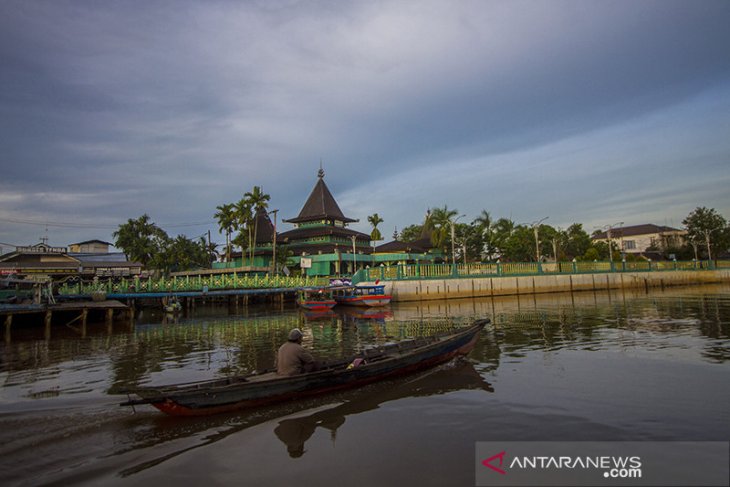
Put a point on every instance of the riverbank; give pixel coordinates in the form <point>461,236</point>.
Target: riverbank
<point>431,289</point>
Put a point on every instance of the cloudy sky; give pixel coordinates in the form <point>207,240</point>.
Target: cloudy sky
<point>580,111</point>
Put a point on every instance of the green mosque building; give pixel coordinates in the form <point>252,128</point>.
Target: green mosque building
<point>321,244</point>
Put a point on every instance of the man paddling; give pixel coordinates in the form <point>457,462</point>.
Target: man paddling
<point>292,358</point>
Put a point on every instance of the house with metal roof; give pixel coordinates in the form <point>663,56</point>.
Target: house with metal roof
<point>642,239</point>
<point>90,247</point>
<point>43,260</point>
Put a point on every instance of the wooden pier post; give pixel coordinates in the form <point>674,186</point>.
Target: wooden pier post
<point>84,315</point>
<point>131,315</point>
<point>47,323</point>
<point>8,323</point>
<point>109,316</point>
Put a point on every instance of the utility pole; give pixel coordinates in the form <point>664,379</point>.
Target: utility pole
<point>608,234</point>
<point>210,261</point>
<point>535,227</point>
<point>273,258</point>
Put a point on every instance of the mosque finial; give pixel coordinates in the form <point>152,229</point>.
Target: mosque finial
<point>320,174</point>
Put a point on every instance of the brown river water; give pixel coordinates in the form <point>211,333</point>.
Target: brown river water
<point>587,366</point>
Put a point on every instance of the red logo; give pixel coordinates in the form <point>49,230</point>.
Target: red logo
<point>488,462</point>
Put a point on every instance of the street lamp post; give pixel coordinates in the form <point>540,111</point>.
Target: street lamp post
<point>608,234</point>
<point>535,227</point>
<point>453,223</point>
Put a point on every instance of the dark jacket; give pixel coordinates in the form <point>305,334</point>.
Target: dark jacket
<point>292,358</point>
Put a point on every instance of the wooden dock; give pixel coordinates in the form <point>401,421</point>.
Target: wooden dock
<point>79,311</point>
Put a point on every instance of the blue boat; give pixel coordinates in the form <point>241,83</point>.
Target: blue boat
<point>362,295</point>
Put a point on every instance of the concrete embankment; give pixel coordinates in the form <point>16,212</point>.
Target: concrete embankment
<point>423,290</point>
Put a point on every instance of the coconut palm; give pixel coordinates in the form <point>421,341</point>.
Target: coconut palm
<point>244,218</point>
<point>226,216</point>
<point>485,226</point>
<point>442,220</point>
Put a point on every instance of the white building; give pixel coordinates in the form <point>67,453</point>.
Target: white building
<point>639,239</point>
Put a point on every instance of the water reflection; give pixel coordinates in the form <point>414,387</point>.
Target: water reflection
<point>457,375</point>
<point>211,342</point>
<point>591,365</point>
<point>152,433</point>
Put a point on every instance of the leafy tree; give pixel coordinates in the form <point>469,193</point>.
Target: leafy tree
<point>411,233</point>
<point>591,254</point>
<point>597,251</point>
<point>182,253</point>
<point>577,241</point>
<point>520,244</point>
<point>706,225</point>
<point>141,240</point>
<point>375,220</point>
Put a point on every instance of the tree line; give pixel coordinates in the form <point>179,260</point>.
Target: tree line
<point>483,239</point>
<point>143,241</point>
<point>488,239</point>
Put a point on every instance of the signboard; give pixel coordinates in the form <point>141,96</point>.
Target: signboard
<point>41,249</point>
<point>305,262</point>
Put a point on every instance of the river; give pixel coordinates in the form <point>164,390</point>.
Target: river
<point>581,366</point>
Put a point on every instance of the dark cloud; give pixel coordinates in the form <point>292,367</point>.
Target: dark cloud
<point>108,111</point>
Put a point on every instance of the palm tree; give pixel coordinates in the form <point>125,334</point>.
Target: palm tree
<point>226,216</point>
<point>442,221</point>
<point>209,249</point>
<point>258,200</point>
<point>243,221</point>
<point>485,225</point>
<point>375,220</point>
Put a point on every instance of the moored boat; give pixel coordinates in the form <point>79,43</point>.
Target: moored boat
<point>362,296</point>
<point>315,299</point>
<point>172,306</point>
<point>257,389</point>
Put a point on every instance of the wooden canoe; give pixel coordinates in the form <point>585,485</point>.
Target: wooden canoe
<point>221,395</point>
